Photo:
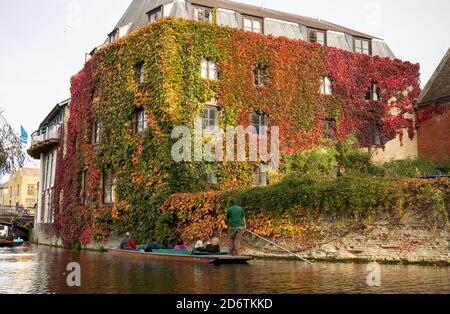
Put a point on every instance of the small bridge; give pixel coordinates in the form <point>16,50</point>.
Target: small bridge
<point>25,221</point>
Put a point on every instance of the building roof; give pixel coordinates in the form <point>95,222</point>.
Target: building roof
<point>55,111</point>
<point>30,172</point>
<point>274,14</point>
<point>438,87</point>
<point>136,15</point>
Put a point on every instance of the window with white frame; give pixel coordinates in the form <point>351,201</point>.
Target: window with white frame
<point>329,129</point>
<point>210,119</point>
<point>209,69</point>
<point>373,93</point>
<point>261,122</point>
<point>209,175</point>
<point>96,133</point>
<point>253,24</point>
<point>376,139</point>
<point>108,187</point>
<point>141,72</point>
<point>261,73</point>
<point>203,14</point>
<point>325,86</point>
<point>155,14</point>
<point>141,121</point>
<point>261,176</point>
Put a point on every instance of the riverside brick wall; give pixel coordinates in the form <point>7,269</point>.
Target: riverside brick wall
<point>434,139</point>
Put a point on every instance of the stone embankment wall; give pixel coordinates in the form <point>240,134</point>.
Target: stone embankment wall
<point>410,242</point>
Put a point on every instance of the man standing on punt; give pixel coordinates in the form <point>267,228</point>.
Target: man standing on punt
<point>237,226</point>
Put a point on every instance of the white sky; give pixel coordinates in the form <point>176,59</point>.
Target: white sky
<point>43,42</point>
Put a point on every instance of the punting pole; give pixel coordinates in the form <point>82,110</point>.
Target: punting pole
<point>292,253</point>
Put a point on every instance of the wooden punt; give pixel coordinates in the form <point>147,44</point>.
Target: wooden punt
<point>164,257</point>
<point>6,243</point>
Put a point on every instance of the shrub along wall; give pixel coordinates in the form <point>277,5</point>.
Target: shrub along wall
<point>295,208</point>
<point>107,91</point>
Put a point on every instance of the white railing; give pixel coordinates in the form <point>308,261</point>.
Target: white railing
<point>48,133</point>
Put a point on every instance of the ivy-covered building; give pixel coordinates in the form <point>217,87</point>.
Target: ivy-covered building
<point>232,65</point>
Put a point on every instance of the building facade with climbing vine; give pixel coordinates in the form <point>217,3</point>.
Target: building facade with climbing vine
<point>167,63</point>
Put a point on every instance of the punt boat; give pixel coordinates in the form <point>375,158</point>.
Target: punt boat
<point>6,243</point>
<point>181,256</point>
<point>11,243</point>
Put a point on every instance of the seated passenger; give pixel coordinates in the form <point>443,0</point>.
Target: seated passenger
<point>152,246</point>
<point>167,245</point>
<point>181,245</point>
<point>213,247</point>
<point>199,247</point>
<point>128,243</point>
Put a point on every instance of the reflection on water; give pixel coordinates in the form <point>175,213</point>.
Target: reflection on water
<point>43,270</point>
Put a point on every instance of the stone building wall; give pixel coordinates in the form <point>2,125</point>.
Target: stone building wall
<point>396,149</point>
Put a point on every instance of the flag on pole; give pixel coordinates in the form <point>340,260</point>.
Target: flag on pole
<point>23,135</point>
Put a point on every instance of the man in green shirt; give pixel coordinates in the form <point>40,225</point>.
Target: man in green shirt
<point>237,225</point>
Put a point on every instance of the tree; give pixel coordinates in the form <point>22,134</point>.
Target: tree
<point>12,156</point>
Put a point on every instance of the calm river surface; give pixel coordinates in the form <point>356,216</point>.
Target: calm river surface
<point>43,270</point>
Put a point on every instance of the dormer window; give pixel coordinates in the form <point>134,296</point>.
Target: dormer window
<point>114,36</point>
<point>209,70</point>
<point>155,14</point>
<point>361,46</point>
<point>253,24</point>
<point>325,86</point>
<point>261,73</point>
<point>373,93</point>
<point>317,36</point>
<point>203,14</point>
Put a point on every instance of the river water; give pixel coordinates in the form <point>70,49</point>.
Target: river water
<point>42,269</point>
